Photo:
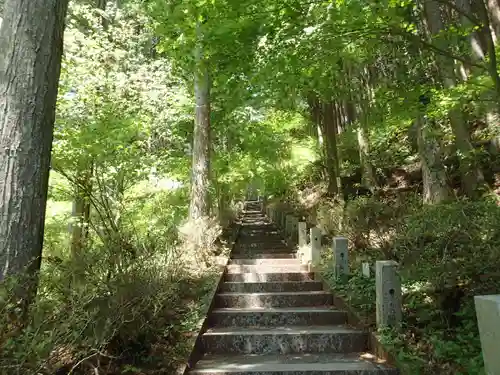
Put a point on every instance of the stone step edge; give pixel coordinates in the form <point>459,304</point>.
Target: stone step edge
<point>282,310</point>
<point>296,363</point>
<point>307,293</point>
<point>341,329</point>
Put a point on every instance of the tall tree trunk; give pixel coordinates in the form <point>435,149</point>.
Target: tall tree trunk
<point>31,44</point>
<point>436,189</point>
<point>200,179</point>
<point>470,173</point>
<point>330,142</point>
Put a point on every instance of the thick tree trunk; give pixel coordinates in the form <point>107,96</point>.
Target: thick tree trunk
<point>436,189</point>
<point>471,174</point>
<point>200,179</point>
<point>31,43</point>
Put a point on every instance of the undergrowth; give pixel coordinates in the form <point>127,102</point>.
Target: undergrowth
<point>119,307</point>
<point>448,253</point>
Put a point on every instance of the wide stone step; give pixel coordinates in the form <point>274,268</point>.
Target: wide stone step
<point>269,277</point>
<point>295,364</point>
<point>265,261</point>
<point>266,268</point>
<point>278,299</point>
<point>284,340</point>
<point>261,255</point>
<point>287,286</point>
<point>289,316</point>
<point>257,252</point>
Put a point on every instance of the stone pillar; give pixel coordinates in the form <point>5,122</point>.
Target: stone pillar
<point>302,233</point>
<point>294,230</point>
<point>488,321</point>
<point>341,256</point>
<point>388,293</point>
<point>288,227</point>
<point>315,245</point>
<point>365,269</point>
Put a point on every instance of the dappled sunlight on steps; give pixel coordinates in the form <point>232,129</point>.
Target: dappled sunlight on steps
<point>272,318</point>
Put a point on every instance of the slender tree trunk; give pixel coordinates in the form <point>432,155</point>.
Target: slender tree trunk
<point>330,143</point>
<point>31,43</point>
<point>199,205</point>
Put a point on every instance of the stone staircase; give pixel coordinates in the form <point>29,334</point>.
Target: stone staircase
<point>271,317</point>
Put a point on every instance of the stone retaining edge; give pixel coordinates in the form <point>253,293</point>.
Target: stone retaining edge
<point>374,345</point>
<point>195,341</point>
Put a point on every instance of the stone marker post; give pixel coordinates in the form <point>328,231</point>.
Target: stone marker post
<point>341,256</point>
<point>288,227</point>
<point>315,245</point>
<point>294,227</point>
<point>283,223</point>
<point>488,321</point>
<point>388,293</point>
<point>302,239</point>
<point>365,269</point>
<point>302,233</point>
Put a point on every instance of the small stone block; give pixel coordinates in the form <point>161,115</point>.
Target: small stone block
<point>365,269</point>
<point>302,233</point>
<point>388,293</point>
<point>488,321</point>
<point>341,256</point>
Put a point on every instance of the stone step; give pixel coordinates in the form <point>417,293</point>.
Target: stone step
<point>288,316</point>
<point>265,247</point>
<point>286,286</point>
<point>295,364</point>
<point>261,250</point>
<point>284,340</point>
<point>266,268</point>
<point>257,255</point>
<point>277,299</point>
<point>269,277</point>
<point>265,261</point>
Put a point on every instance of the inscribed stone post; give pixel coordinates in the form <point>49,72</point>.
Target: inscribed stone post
<point>294,230</point>
<point>488,321</point>
<point>341,256</point>
<point>365,269</point>
<point>288,226</point>
<point>302,233</point>
<point>315,245</point>
<point>388,293</point>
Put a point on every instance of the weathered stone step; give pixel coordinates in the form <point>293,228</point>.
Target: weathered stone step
<point>288,316</point>
<point>261,250</point>
<point>269,277</point>
<point>265,261</point>
<point>266,268</point>
<point>295,364</point>
<point>284,340</point>
<point>286,286</point>
<point>263,245</point>
<point>276,299</point>
<point>261,255</point>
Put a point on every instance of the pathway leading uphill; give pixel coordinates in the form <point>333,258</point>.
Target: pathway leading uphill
<point>272,318</point>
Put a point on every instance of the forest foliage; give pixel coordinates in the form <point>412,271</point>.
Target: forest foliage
<point>378,118</point>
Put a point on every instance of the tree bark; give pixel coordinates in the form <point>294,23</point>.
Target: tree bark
<point>31,44</point>
<point>330,142</point>
<point>436,189</point>
<point>470,173</point>
<point>200,180</point>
